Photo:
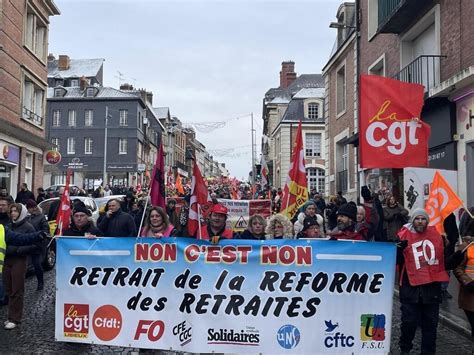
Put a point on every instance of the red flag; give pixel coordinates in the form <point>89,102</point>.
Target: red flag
<point>64,213</point>
<point>391,132</point>
<point>442,202</point>
<point>199,198</point>
<point>295,193</point>
<point>179,185</point>
<point>264,172</point>
<point>157,192</point>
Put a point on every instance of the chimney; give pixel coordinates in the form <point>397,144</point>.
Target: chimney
<point>126,86</point>
<point>287,74</point>
<point>83,83</point>
<point>64,63</point>
<point>51,57</point>
<point>149,97</point>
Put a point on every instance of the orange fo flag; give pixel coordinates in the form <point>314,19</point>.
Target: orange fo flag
<point>442,202</point>
<point>295,193</point>
<point>179,185</point>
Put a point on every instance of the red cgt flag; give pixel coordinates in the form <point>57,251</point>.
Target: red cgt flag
<point>157,191</point>
<point>64,213</point>
<point>295,193</point>
<point>391,132</point>
<point>199,199</point>
<point>442,202</point>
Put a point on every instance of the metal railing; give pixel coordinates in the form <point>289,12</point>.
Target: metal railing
<point>424,70</point>
<point>341,181</point>
<point>386,9</point>
<point>31,116</point>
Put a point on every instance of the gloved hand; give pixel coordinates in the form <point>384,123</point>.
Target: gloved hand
<point>43,235</point>
<point>470,286</point>
<point>402,244</point>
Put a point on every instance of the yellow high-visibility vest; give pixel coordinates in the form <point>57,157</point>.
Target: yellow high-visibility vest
<point>3,246</point>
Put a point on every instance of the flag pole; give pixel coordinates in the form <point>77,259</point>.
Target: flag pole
<point>199,221</point>
<point>144,212</point>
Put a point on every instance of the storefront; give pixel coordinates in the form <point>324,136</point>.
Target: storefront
<point>9,161</point>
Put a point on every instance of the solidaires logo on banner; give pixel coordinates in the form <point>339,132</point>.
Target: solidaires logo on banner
<point>237,296</point>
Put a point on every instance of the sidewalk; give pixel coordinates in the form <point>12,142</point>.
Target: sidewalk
<point>450,314</point>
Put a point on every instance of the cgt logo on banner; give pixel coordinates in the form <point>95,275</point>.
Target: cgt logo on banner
<point>391,132</point>
<point>76,320</point>
<point>372,331</point>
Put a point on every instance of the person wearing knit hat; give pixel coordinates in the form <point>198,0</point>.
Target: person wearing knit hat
<point>423,261</point>
<point>81,224</point>
<point>311,229</point>
<point>346,223</point>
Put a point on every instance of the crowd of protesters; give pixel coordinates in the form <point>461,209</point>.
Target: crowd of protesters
<point>372,220</point>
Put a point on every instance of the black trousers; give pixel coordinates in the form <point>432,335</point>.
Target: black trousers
<point>470,318</point>
<point>36,261</point>
<point>416,315</point>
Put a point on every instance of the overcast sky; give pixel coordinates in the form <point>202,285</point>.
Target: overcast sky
<point>208,61</point>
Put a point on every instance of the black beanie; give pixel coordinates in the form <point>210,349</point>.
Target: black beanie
<point>349,210</point>
<point>365,193</point>
<point>309,222</point>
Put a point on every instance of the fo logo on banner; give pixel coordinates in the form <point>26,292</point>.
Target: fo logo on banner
<point>107,322</point>
<point>76,320</point>
<point>288,336</point>
<point>372,331</point>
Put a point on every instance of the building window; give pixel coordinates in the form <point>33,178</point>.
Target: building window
<point>87,145</point>
<point>55,143</point>
<point>123,117</point>
<point>71,145</point>
<point>341,89</point>
<point>90,92</point>
<point>74,82</point>
<point>122,146</point>
<point>313,145</point>
<point>313,110</point>
<point>316,179</point>
<point>88,118</point>
<point>378,67</point>
<point>72,118</point>
<point>58,92</point>
<point>29,168</point>
<point>33,101</point>
<point>56,118</point>
<point>35,34</point>
<point>342,167</point>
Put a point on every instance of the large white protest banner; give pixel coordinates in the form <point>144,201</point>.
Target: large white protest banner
<point>313,297</point>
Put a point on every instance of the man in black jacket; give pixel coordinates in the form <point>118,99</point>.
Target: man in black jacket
<point>117,223</point>
<point>81,225</point>
<point>24,194</point>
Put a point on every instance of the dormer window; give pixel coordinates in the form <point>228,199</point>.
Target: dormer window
<point>91,92</point>
<point>74,82</point>
<point>313,110</point>
<point>59,92</point>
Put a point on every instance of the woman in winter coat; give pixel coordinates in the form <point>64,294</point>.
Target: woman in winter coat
<point>395,216</point>
<point>38,220</point>
<point>15,263</point>
<point>255,229</point>
<point>362,227</point>
<point>157,224</point>
<point>279,227</point>
<point>309,209</point>
<point>465,270</point>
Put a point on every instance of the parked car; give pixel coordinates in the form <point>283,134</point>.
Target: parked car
<point>48,258</point>
<point>53,189</point>
<point>102,201</point>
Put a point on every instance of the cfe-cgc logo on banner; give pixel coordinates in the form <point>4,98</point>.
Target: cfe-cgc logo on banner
<point>336,339</point>
<point>107,322</point>
<point>76,320</point>
<point>288,336</point>
<point>372,331</point>
<point>247,336</point>
<point>184,332</point>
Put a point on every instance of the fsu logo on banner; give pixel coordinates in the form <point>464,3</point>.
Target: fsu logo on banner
<point>391,132</point>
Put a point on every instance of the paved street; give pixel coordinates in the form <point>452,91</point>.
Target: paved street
<point>36,334</point>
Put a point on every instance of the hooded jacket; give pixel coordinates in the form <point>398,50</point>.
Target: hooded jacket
<point>21,226</point>
<point>285,222</point>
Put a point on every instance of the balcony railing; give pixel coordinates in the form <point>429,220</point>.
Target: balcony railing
<point>395,16</point>
<point>424,70</point>
<point>32,117</point>
<point>341,181</point>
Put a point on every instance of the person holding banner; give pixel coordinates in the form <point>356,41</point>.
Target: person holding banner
<point>255,229</point>
<point>279,227</point>
<point>346,223</point>
<point>421,257</point>
<point>311,228</point>
<point>157,224</point>
<point>216,225</point>
<point>81,225</point>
